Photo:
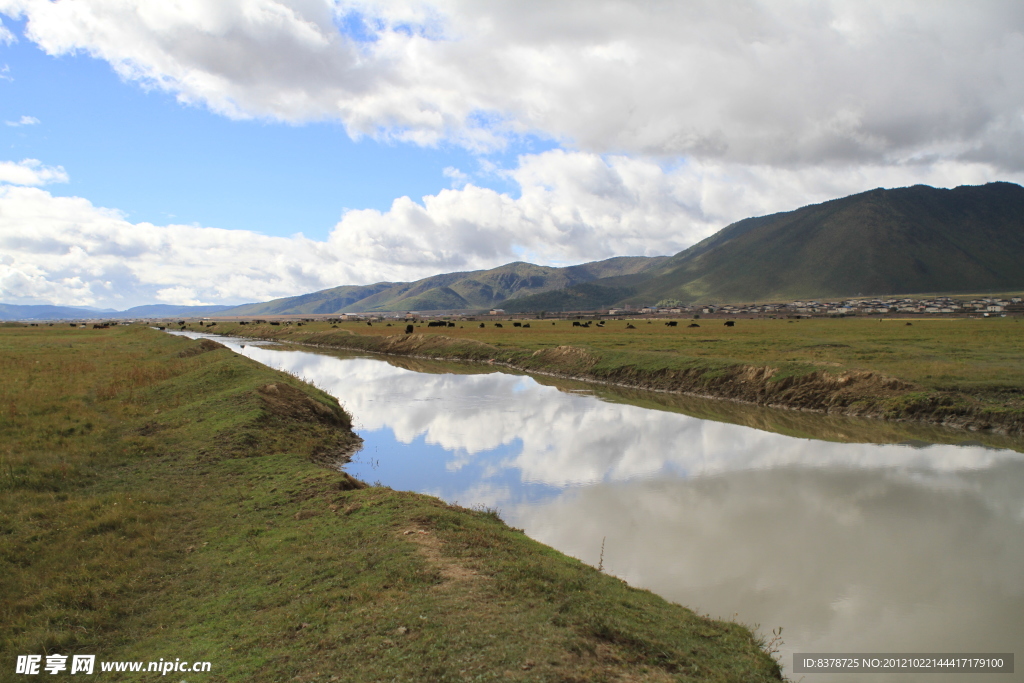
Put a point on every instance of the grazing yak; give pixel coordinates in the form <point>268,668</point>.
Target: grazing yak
<point>730,323</point>
<point>526,325</point>
<point>671,323</point>
<point>498,325</point>
<point>693,325</point>
<point>482,325</point>
<point>575,323</point>
<point>517,324</point>
<point>408,329</point>
<point>629,326</point>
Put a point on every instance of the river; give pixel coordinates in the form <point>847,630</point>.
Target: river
<point>850,547</point>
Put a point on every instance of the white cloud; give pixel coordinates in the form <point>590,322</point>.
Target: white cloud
<point>792,83</point>
<point>23,121</point>
<point>458,178</point>
<point>31,172</point>
<point>573,207</point>
<point>6,37</point>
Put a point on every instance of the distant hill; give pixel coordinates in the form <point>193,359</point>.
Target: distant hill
<point>901,241</point>
<point>451,291</point>
<point>46,312</point>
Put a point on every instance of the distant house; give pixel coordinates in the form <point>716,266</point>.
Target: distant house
<point>497,311</point>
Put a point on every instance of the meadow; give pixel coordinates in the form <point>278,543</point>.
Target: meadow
<point>167,498</point>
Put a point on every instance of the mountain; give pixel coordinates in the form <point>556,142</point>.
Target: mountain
<point>451,291</point>
<point>902,241</point>
<point>47,312</point>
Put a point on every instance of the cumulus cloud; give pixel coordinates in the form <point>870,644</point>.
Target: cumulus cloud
<point>23,121</point>
<point>31,172</point>
<point>572,207</point>
<point>741,82</point>
<point>64,249</point>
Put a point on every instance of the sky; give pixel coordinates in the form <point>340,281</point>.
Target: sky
<point>228,151</point>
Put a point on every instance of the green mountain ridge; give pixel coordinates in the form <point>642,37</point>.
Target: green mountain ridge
<point>471,290</point>
<point>881,242</point>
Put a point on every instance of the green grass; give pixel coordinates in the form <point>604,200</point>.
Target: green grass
<point>158,499</point>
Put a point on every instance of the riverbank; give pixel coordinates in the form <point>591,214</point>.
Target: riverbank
<point>963,374</point>
<point>166,498</point>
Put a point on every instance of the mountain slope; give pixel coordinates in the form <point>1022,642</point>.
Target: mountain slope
<point>451,291</point>
<point>902,241</point>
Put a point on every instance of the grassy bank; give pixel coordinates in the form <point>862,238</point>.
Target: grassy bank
<point>164,498</point>
<point>960,373</point>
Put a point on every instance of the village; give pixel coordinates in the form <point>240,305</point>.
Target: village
<point>939,306</point>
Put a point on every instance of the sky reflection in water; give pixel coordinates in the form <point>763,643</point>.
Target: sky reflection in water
<point>850,547</point>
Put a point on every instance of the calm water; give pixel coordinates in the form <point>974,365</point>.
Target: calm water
<point>850,547</point>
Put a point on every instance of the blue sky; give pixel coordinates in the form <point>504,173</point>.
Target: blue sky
<point>158,161</point>
<point>224,151</point>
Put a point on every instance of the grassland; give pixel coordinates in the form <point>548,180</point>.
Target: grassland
<point>963,373</point>
<point>164,498</point>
